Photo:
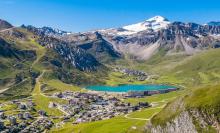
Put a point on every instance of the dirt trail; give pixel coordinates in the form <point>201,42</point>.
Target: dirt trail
<point>7,29</point>
<point>3,90</point>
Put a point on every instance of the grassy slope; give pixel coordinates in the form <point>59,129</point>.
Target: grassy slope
<point>205,99</point>
<point>155,98</point>
<point>201,68</point>
<point>43,56</point>
<point>53,86</point>
<point>42,101</point>
<point>117,124</point>
<point>116,78</point>
<point>20,90</point>
<point>9,71</point>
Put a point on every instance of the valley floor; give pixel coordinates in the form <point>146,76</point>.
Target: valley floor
<point>132,122</point>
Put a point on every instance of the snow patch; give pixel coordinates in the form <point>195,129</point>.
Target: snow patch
<point>156,23</point>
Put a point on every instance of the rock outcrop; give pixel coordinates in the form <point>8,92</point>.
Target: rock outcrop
<point>181,124</point>
<point>71,53</point>
<point>189,114</point>
<point>175,38</point>
<point>192,121</point>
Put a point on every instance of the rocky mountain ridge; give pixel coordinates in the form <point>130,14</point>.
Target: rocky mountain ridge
<point>177,37</point>
<point>4,25</point>
<point>76,56</point>
<point>147,39</point>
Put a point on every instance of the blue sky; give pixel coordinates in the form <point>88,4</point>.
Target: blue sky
<point>83,15</point>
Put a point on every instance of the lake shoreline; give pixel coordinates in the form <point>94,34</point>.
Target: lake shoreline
<point>126,88</point>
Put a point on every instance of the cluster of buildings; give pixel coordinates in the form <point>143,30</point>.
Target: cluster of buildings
<point>25,126</point>
<point>149,92</point>
<point>38,126</point>
<point>22,119</point>
<point>82,107</point>
<point>140,75</point>
<point>86,107</point>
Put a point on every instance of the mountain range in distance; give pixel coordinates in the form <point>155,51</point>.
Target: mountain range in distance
<point>140,41</point>
<point>36,63</point>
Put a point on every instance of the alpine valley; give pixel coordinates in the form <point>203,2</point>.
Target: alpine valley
<point>45,74</point>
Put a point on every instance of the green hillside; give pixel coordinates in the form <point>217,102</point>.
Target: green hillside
<point>205,100</point>
<point>30,70</point>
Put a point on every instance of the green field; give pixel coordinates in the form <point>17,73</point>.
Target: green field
<point>53,86</point>
<point>116,78</point>
<point>117,124</point>
<point>42,101</point>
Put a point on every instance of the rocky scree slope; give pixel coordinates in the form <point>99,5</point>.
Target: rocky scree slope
<point>95,44</point>
<point>175,38</point>
<point>144,39</point>
<point>74,55</point>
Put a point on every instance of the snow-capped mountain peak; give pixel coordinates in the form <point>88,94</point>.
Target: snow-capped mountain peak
<point>155,23</point>
<point>157,19</point>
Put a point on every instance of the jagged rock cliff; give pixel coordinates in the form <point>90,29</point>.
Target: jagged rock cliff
<point>140,41</point>
<point>175,38</point>
<point>192,121</point>
<point>71,53</point>
<point>181,124</point>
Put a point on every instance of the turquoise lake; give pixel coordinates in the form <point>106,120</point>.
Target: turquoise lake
<point>127,88</point>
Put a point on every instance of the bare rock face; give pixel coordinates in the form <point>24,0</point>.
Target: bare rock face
<point>177,37</point>
<point>204,120</point>
<point>68,51</point>
<point>137,41</point>
<point>191,121</point>
<point>74,55</point>
<point>95,44</point>
<point>46,31</point>
<point>181,124</point>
